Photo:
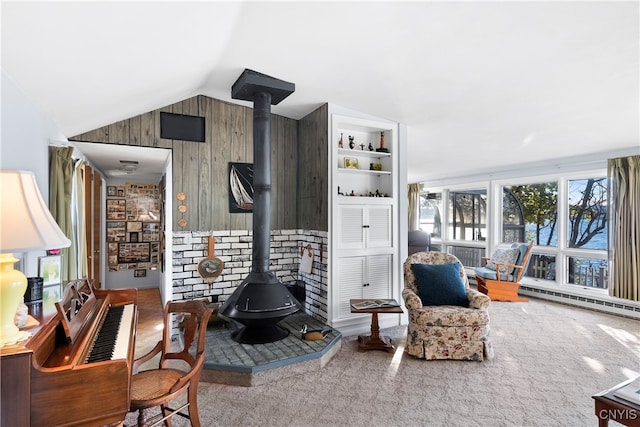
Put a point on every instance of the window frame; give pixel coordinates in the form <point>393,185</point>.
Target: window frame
<point>446,243</point>
<point>494,188</point>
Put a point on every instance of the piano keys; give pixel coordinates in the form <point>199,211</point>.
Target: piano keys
<point>112,340</point>
<point>54,379</point>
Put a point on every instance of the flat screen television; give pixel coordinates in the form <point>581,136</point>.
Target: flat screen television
<point>182,127</point>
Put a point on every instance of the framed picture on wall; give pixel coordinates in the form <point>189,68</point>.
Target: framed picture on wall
<point>240,187</point>
<point>151,233</point>
<point>133,252</point>
<point>112,191</point>
<point>140,273</point>
<point>134,226</point>
<point>116,231</point>
<point>50,268</point>
<point>116,210</point>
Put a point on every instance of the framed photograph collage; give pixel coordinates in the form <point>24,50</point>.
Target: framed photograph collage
<point>133,227</point>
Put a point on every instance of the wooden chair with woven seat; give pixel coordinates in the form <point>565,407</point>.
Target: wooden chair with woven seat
<point>178,371</point>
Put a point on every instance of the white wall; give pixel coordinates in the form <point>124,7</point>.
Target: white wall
<point>167,274</point>
<point>25,135</point>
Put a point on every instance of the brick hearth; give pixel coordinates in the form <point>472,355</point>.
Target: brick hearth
<point>229,362</point>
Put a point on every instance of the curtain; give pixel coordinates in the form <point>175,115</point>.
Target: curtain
<point>624,227</point>
<point>414,207</point>
<point>79,213</point>
<point>60,190</point>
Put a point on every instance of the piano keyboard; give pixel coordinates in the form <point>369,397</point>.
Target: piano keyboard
<point>112,341</point>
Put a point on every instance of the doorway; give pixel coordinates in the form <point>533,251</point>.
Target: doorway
<point>117,250</point>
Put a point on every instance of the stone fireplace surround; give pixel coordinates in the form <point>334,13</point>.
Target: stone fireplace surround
<point>234,248</point>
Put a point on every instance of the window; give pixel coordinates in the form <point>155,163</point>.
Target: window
<point>530,213</point>
<point>467,215</point>
<point>542,267</point>
<point>590,272</point>
<point>587,221</point>
<point>465,219</point>
<point>513,225</point>
<point>564,215</point>
<point>431,214</point>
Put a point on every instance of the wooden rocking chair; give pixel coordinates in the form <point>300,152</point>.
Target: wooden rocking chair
<point>501,280</point>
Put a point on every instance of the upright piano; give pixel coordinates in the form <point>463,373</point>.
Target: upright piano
<point>75,370</point>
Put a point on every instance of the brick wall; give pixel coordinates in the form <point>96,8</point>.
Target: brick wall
<point>233,247</point>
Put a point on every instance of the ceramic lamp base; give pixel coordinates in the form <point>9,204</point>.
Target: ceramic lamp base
<point>13,284</point>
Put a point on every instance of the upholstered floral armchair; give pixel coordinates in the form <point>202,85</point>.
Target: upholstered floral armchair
<point>447,318</point>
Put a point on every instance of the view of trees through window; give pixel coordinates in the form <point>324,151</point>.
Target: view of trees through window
<point>534,206</point>
<point>530,212</point>
<point>587,229</point>
<point>587,214</point>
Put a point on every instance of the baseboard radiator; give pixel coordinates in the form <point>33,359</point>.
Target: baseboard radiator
<point>620,307</point>
<point>630,309</point>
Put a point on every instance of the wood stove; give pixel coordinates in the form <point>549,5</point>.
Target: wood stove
<point>261,301</point>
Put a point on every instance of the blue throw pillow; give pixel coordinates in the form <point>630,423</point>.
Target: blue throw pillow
<point>440,284</point>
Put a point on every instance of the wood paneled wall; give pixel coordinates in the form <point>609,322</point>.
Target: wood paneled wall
<point>313,170</point>
<point>201,170</point>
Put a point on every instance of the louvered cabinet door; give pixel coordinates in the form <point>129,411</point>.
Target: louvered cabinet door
<point>351,282</point>
<point>363,227</point>
<point>378,276</point>
<point>362,277</point>
<point>378,233</point>
<point>352,227</point>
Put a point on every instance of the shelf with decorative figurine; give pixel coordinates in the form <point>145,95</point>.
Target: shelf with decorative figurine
<point>355,160</point>
<point>363,153</point>
<point>362,169</point>
<point>351,195</point>
<point>363,162</point>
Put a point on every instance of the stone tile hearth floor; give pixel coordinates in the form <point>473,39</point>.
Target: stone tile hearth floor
<point>229,362</point>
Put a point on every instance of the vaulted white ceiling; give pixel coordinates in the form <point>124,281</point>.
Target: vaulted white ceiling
<point>478,84</point>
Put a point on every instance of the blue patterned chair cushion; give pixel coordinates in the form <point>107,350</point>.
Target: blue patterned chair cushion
<point>487,273</point>
<point>503,255</point>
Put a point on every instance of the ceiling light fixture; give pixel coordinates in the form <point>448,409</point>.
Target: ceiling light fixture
<point>129,166</point>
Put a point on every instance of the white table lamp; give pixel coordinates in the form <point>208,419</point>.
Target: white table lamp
<point>25,225</point>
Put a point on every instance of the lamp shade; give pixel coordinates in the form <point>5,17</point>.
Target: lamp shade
<point>25,221</point>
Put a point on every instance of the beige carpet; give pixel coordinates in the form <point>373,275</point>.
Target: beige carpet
<point>550,359</point>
